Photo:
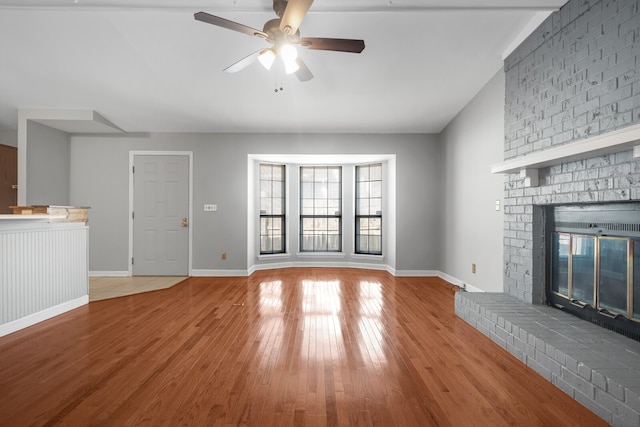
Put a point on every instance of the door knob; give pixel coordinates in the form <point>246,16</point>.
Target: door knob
<point>185,222</point>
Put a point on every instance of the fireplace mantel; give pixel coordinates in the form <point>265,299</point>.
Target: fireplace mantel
<point>611,142</point>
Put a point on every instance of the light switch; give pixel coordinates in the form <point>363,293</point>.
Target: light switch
<point>210,208</point>
<point>497,205</point>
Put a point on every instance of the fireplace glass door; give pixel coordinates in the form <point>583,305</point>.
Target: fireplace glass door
<point>598,272</point>
<point>583,256</point>
<point>614,274</point>
<point>560,261</point>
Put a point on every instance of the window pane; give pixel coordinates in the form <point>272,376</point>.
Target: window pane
<point>307,225</point>
<point>265,206</point>
<point>320,224</point>
<point>363,190</point>
<point>333,207</point>
<point>272,202</point>
<point>320,242</point>
<point>369,203</point>
<point>320,207</point>
<point>306,174</point>
<point>375,172</point>
<point>277,190</point>
<point>307,243</point>
<point>362,173</point>
<point>306,190</point>
<point>333,242</point>
<point>320,175</point>
<point>307,207</point>
<point>319,190</point>
<point>278,173</point>
<point>334,174</point>
<point>375,226</point>
<point>333,190</point>
<point>376,206</point>
<point>277,208</point>
<point>320,198</point>
<point>265,188</point>
<point>363,207</point>
<point>560,264</point>
<point>277,244</point>
<point>362,225</point>
<point>376,189</point>
<point>375,244</point>
<point>266,172</point>
<point>265,244</point>
<point>583,269</point>
<point>613,274</point>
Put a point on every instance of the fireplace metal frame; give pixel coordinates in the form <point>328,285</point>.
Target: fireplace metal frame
<point>613,221</point>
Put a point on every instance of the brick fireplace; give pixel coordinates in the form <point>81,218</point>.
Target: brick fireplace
<point>572,127</point>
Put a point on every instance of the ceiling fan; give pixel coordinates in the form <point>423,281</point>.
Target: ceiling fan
<point>284,34</point>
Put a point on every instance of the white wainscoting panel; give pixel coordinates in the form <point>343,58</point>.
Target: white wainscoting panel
<point>42,266</point>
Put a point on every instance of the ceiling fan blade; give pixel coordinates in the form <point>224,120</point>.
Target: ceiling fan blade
<point>340,45</point>
<point>243,63</point>
<point>293,15</point>
<point>225,23</point>
<point>303,73</point>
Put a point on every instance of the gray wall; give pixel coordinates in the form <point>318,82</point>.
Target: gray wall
<point>48,160</point>
<point>9,137</point>
<point>99,179</point>
<point>575,76</point>
<point>473,229</point>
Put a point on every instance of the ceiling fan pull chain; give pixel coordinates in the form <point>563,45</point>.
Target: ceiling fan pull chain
<point>278,87</point>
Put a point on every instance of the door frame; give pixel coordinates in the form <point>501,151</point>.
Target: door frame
<point>132,155</point>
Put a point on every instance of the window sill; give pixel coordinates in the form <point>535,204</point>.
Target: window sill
<point>367,256</point>
<point>340,255</point>
<point>265,257</point>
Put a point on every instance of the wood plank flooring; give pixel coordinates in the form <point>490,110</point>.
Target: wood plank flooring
<point>304,346</point>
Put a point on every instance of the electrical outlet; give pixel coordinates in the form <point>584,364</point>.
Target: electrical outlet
<point>473,268</point>
<point>223,256</point>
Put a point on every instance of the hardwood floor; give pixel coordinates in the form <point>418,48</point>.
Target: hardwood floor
<point>298,346</point>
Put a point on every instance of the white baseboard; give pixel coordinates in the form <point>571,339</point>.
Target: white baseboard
<point>108,274</point>
<point>459,283</point>
<point>219,273</point>
<point>417,273</point>
<point>309,263</point>
<point>40,316</point>
<point>277,265</point>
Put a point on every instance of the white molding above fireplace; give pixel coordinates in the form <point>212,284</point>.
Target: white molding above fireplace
<point>611,142</point>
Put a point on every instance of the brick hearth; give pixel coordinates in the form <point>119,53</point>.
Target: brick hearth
<point>597,367</point>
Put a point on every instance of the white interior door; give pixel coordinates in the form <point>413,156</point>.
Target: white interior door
<point>160,215</point>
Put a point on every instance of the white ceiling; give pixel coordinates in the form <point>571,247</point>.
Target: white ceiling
<point>148,66</point>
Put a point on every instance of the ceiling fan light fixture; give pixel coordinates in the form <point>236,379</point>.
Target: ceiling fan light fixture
<point>288,53</point>
<point>291,67</point>
<point>266,58</point>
